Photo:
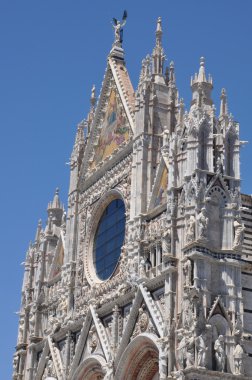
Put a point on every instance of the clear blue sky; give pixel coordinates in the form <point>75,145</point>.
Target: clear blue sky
<point>52,51</point>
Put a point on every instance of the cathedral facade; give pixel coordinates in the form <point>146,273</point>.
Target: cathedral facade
<point>148,275</point>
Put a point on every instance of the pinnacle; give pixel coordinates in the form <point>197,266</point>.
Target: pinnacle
<point>55,204</point>
<point>159,26</point>
<point>202,74</point>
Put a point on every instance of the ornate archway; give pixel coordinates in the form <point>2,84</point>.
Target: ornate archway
<point>140,360</point>
<point>90,369</point>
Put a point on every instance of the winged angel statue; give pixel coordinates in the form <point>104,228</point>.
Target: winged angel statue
<point>118,27</point>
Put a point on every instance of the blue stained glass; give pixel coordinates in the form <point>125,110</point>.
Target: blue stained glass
<point>109,239</point>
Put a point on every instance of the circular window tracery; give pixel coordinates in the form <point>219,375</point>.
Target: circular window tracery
<point>109,238</point>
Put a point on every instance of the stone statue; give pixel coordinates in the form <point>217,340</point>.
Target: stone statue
<point>238,327</point>
<point>202,224</point>
<point>201,350</point>
<point>187,270</point>
<point>166,242</point>
<point>181,350</point>
<point>142,271</point>
<point>238,359</point>
<point>238,234</point>
<point>15,363</point>
<point>219,165</point>
<point>220,355</point>
<point>118,27</point>
<point>93,339</point>
<point>166,137</point>
<point>190,230</point>
<point>190,351</point>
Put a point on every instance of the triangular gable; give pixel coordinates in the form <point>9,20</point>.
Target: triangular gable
<point>42,361</point>
<point>151,311</point>
<point>92,328</point>
<point>113,122</point>
<point>159,191</point>
<point>218,180</point>
<point>114,129</point>
<point>58,259</point>
<point>218,308</point>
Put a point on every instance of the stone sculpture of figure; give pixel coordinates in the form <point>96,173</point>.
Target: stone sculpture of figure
<point>190,351</point>
<point>238,327</point>
<point>190,230</point>
<point>202,224</point>
<point>166,137</point>
<point>21,331</point>
<point>219,165</point>
<point>220,355</point>
<point>15,363</point>
<point>201,349</point>
<point>118,27</point>
<point>142,271</point>
<point>187,269</point>
<point>238,359</point>
<point>238,235</point>
<point>32,320</point>
<point>166,242</point>
<point>93,340</point>
<point>181,350</point>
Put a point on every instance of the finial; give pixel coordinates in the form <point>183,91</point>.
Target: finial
<point>39,228</point>
<point>158,55</point>
<point>159,25</point>
<point>172,74</point>
<point>93,97</point>
<point>223,103</point>
<point>159,32</point>
<point>55,204</point>
<point>118,28</point>
<point>202,74</point>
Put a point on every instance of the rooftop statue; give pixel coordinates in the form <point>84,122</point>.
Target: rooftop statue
<point>118,27</point>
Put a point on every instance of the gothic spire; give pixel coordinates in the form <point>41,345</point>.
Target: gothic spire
<point>39,228</point>
<point>158,55</point>
<point>201,86</point>
<point>55,208</point>
<point>92,108</point>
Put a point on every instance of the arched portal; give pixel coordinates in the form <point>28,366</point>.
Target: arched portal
<point>90,369</point>
<point>140,360</point>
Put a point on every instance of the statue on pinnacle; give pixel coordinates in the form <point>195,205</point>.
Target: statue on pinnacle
<point>118,27</point>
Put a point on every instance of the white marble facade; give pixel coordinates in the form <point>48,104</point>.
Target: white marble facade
<point>179,303</point>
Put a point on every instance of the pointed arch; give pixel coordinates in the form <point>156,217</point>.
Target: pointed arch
<point>90,369</point>
<point>139,360</point>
